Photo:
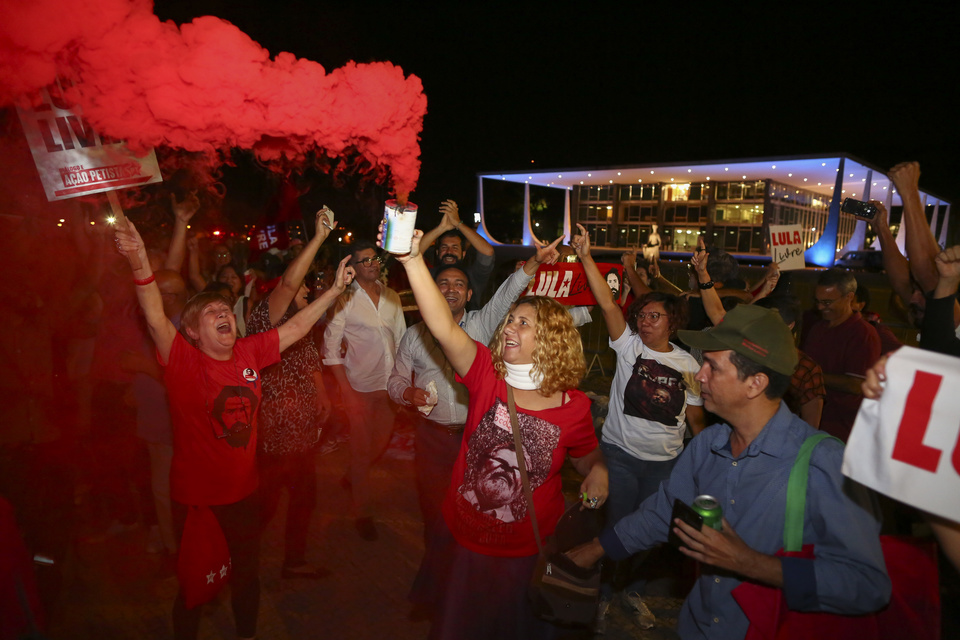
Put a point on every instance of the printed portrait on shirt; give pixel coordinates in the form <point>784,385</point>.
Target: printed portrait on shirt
<point>655,392</point>
<point>491,481</point>
<point>233,411</point>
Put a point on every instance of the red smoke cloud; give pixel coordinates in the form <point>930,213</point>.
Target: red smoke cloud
<point>206,87</point>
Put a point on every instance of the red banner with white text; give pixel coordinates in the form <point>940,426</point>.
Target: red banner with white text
<point>567,283</point>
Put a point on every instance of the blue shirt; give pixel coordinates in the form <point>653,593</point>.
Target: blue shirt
<point>848,574</point>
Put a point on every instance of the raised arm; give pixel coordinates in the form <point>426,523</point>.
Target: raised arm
<point>459,348</point>
<point>298,326</point>
<point>193,265</point>
<point>452,214</point>
<point>612,314</point>
<point>183,211</point>
<point>922,248</point>
<point>162,330</point>
<point>709,296</point>
<point>490,315</point>
<point>937,332</point>
<point>894,262</point>
<point>767,284</point>
<point>629,260</point>
<point>283,294</point>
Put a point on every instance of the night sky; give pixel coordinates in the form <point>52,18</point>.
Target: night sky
<point>570,85</point>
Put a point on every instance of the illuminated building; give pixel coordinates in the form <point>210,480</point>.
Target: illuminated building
<point>731,202</point>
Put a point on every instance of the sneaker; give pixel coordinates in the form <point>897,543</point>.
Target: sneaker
<point>600,622</point>
<point>642,616</point>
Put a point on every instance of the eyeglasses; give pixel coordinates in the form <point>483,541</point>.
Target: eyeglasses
<point>824,303</point>
<point>369,261</point>
<point>654,316</point>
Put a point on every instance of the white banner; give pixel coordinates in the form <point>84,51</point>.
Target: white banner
<point>905,445</point>
<point>72,159</point>
<point>786,246</point>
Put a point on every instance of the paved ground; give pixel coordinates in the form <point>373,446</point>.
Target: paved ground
<point>114,590</point>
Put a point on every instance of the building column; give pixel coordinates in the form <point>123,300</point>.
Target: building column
<point>529,237</point>
<point>482,227</point>
<point>859,236</point>
<point>943,229</point>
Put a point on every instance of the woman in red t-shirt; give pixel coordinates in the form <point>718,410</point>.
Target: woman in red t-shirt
<point>477,569</point>
<point>213,382</point>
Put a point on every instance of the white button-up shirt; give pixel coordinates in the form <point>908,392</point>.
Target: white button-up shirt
<point>370,332</point>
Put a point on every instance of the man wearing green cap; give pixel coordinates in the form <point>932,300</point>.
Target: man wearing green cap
<point>745,464</point>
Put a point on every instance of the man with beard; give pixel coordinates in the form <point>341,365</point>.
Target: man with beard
<point>450,235</point>
<point>497,484</point>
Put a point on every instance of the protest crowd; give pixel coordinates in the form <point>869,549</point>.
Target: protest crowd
<point>202,384</point>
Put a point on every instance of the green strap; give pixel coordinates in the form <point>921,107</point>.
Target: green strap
<point>797,493</point>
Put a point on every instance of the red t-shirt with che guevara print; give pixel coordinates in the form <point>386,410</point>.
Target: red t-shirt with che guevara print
<point>485,507</point>
<point>213,407</point>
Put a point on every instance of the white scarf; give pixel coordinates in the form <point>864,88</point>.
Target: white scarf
<point>519,376</point>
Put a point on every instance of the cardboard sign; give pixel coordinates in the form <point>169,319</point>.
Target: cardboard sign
<point>906,444</point>
<point>567,283</point>
<point>786,246</point>
<point>73,159</point>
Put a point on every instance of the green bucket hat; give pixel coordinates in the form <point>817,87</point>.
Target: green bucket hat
<point>756,333</point>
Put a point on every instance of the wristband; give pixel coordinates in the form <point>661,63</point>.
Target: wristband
<point>705,285</point>
<point>145,281</point>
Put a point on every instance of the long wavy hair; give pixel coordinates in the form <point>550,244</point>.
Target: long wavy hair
<point>558,355</point>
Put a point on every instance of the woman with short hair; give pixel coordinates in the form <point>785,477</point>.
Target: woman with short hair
<point>214,385</point>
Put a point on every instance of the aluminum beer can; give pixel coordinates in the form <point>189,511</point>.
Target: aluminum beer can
<point>709,509</point>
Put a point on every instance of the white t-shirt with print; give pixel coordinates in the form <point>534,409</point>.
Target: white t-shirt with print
<point>649,397</point>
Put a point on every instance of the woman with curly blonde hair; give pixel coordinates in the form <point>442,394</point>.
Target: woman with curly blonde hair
<point>558,359</point>
<point>475,574</point>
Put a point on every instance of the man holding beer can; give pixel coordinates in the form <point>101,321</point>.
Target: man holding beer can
<point>743,466</point>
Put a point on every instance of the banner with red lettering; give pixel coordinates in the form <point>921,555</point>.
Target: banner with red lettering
<point>786,246</point>
<point>73,159</point>
<point>567,283</point>
<point>905,445</point>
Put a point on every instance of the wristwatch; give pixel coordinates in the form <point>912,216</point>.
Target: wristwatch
<point>705,285</point>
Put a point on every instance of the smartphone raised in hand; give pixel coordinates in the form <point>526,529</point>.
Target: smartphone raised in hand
<point>687,515</point>
<point>859,208</point>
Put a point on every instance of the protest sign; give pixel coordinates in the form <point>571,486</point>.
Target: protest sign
<point>271,236</point>
<point>905,444</point>
<point>73,159</point>
<point>786,246</point>
<point>567,283</point>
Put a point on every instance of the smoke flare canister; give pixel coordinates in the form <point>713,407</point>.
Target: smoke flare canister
<point>399,223</point>
<point>709,509</point>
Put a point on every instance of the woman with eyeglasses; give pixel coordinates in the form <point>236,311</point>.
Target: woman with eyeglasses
<point>368,323</point>
<point>654,398</point>
<point>214,387</point>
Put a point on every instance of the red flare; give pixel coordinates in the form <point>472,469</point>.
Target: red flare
<point>206,87</point>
